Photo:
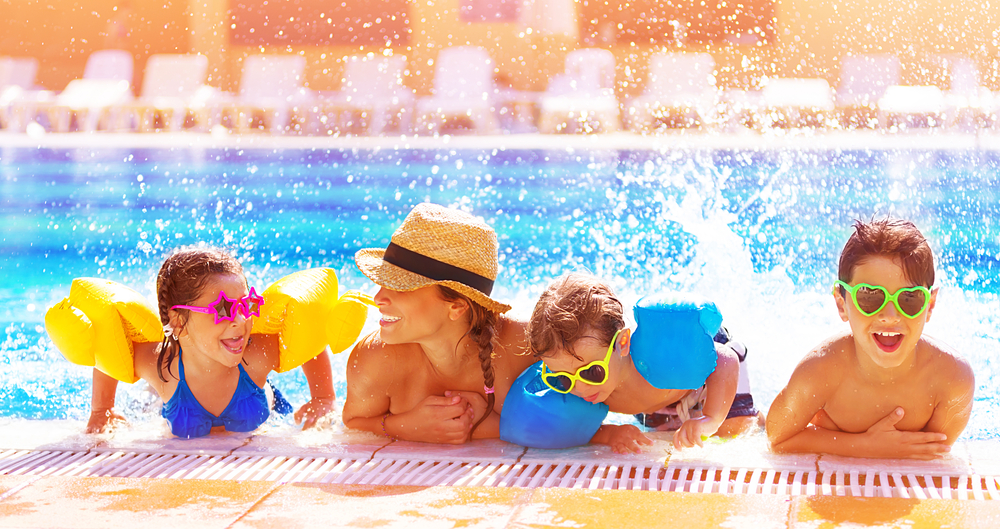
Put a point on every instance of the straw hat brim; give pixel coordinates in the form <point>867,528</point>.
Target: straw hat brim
<point>371,264</point>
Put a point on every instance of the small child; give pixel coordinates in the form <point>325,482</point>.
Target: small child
<point>881,389</point>
<point>208,370</point>
<point>578,329</point>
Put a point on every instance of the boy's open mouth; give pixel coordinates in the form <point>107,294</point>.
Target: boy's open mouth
<point>888,341</point>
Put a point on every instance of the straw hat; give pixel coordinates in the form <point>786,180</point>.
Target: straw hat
<point>437,246</point>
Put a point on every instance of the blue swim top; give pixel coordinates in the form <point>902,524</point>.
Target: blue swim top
<point>246,411</point>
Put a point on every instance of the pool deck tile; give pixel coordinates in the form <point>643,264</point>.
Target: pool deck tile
<point>314,443</point>
<point>480,450</point>
<point>622,508</point>
<point>834,511</point>
<point>308,505</point>
<point>747,451</point>
<point>130,502</point>
<point>153,440</point>
<point>658,452</point>
<point>984,458</point>
<point>8,484</point>
<point>123,502</point>
<point>23,434</point>
<point>955,463</point>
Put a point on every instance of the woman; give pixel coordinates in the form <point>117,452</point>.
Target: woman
<point>440,365</point>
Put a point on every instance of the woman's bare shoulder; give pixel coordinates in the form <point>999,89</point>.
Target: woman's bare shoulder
<point>513,344</point>
<point>371,352</point>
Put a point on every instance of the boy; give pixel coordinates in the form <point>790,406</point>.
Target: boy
<point>882,389</point>
<point>578,329</point>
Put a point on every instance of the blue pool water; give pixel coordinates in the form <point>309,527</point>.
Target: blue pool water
<point>758,231</point>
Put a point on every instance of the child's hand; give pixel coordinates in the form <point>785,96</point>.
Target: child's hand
<point>313,411</point>
<point>691,432</point>
<point>475,401</point>
<point>890,442</point>
<point>103,421</point>
<point>625,438</point>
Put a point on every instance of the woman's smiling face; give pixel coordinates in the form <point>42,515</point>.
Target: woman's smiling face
<point>411,317</point>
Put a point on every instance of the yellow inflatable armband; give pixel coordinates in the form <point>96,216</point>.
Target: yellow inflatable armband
<point>97,323</point>
<point>303,309</point>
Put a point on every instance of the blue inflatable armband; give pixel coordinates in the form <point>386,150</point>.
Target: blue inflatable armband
<point>672,347</point>
<point>536,416</point>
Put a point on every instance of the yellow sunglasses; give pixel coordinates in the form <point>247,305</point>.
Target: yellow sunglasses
<point>594,373</point>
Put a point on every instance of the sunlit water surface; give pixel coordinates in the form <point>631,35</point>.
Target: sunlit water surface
<point>759,232</point>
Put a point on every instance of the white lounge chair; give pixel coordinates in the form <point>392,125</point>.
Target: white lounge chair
<point>18,91</point>
<point>912,106</point>
<point>584,96</point>
<point>372,95</point>
<point>969,104</point>
<point>863,81</point>
<point>680,91</point>
<point>794,102</point>
<point>172,85</point>
<point>463,91</point>
<point>271,92</point>
<point>92,101</point>
<point>98,98</point>
<point>113,65</point>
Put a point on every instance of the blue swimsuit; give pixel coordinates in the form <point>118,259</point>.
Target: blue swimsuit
<point>188,418</point>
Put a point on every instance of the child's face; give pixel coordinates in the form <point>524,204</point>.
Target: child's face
<point>590,349</point>
<point>887,338</point>
<point>226,341</point>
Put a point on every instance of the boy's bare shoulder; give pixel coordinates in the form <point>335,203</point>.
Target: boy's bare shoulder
<point>944,362</point>
<point>828,358</point>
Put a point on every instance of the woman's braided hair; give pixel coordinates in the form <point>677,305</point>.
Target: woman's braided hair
<point>180,282</point>
<point>483,332</point>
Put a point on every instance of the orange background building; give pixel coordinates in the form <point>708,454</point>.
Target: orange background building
<point>805,38</point>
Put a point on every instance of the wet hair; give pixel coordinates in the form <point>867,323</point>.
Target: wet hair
<point>181,280</point>
<point>892,238</point>
<point>574,306</point>
<point>483,332</point>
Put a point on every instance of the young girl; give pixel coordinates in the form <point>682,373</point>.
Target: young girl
<point>208,370</point>
<point>440,366</point>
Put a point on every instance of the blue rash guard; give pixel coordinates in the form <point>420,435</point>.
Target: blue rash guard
<point>246,411</point>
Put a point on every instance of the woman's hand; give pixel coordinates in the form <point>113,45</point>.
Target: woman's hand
<point>437,419</point>
<point>314,410</point>
<point>104,420</point>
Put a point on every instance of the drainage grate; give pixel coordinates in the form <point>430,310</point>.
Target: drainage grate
<point>576,475</point>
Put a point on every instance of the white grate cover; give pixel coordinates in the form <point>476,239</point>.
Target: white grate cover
<point>576,475</point>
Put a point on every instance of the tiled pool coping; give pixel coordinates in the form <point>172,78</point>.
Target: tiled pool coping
<point>51,474</point>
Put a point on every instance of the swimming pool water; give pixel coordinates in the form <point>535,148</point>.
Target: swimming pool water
<point>758,231</point>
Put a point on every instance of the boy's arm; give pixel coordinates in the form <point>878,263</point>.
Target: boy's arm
<point>952,413</point>
<point>789,429</point>
<point>720,390</point>
<point>319,375</point>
